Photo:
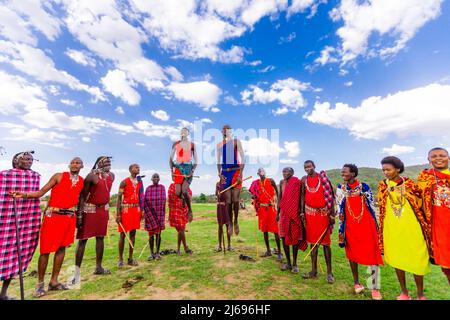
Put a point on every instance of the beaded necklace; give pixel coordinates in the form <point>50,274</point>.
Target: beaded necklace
<point>351,193</point>
<point>74,179</point>
<point>316,188</point>
<point>397,210</point>
<point>442,192</point>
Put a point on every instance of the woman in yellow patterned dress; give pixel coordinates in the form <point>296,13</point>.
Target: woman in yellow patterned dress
<point>403,233</point>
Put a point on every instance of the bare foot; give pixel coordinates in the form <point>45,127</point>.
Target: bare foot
<point>236,228</point>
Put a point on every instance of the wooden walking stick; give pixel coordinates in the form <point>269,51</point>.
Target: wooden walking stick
<point>142,252</point>
<point>184,175</point>
<point>234,184</point>
<point>126,235</point>
<point>317,242</point>
<point>19,251</point>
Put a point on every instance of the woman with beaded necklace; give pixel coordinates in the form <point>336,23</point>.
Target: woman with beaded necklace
<point>403,233</point>
<point>358,227</point>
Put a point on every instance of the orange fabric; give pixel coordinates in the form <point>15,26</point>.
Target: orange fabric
<point>63,194</point>
<point>177,177</point>
<point>414,197</point>
<point>57,231</point>
<point>183,156</point>
<point>438,216</point>
<point>361,237</point>
<point>267,193</point>
<point>131,219</point>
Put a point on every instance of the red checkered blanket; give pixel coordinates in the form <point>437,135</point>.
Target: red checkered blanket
<point>29,215</point>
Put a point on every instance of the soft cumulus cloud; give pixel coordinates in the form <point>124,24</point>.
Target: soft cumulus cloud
<point>422,111</point>
<point>197,29</point>
<point>400,19</point>
<point>119,110</point>
<point>80,57</point>
<point>263,148</point>
<point>118,85</point>
<point>204,93</point>
<point>396,150</point>
<point>287,92</point>
<point>160,114</point>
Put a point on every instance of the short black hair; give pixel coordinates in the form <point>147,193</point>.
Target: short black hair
<point>438,148</point>
<point>310,161</point>
<point>289,169</point>
<point>396,162</point>
<point>352,167</point>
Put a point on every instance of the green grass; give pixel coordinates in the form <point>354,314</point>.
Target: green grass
<point>209,275</point>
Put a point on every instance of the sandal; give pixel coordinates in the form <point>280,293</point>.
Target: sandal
<point>310,275</point>
<point>285,267</point>
<point>40,291</point>
<point>157,256</point>
<point>57,287</point>
<point>218,249</point>
<point>188,251</point>
<point>279,257</point>
<point>102,271</point>
<point>266,254</point>
<point>132,262</point>
<point>330,278</point>
<point>231,249</point>
<point>6,298</point>
<point>151,258</point>
<point>295,269</point>
<point>120,264</point>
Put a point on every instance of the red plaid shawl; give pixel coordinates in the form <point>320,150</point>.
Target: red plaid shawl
<point>29,214</point>
<point>290,219</point>
<point>155,207</point>
<point>178,215</point>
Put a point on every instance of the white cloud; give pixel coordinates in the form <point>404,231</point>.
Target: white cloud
<point>160,114</point>
<point>326,56</point>
<point>287,92</point>
<point>301,5</point>
<point>197,29</point>
<point>289,38</point>
<point>118,85</point>
<point>140,144</point>
<point>421,111</point>
<point>348,83</point>
<point>34,62</point>
<point>400,19</point>
<point>397,150</point>
<point>80,57</point>
<point>266,69</point>
<point>292,149</point>
<point>204,93</point>
<point>119,110</point>
<point>231,100</point>
<point>174,73</point>
<point>68,102</point>
<point>86,139</point>
<point>263,148</point>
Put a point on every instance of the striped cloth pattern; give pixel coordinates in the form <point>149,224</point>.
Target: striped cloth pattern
<point>155,207</point>
<point>29,220</point>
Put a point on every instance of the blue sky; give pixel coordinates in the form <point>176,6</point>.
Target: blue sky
<point>342,81</point>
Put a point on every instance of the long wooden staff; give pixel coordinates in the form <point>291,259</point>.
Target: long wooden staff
<point>142,252</point>
<point>19,251</point>
<point>126,235</point>
<point>184,175</point>
<point>317,242</point>
<point>234,184</point>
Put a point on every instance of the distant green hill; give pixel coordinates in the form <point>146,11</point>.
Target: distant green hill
<point>372,176</point>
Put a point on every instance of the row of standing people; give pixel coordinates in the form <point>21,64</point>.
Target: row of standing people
<point>410,231</point>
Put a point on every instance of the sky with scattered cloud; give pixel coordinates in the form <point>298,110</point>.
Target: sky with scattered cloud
<point>335,80</point>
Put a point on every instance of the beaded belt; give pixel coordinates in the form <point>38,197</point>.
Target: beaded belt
<point>129,205</point>
<point>310,210</point>
<point>92,208</point>
<point>69,211</point>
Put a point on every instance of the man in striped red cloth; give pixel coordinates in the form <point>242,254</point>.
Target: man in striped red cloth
<point>178,217</point>
<point>290,228</point>
<point>129,213</point>
<point>317,212</point>
<point>155,215</point>
<point>18,179</point>
<point>58,226</point>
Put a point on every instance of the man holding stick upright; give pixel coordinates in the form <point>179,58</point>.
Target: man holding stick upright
<point>28,214</point>
<point>230,169</point>
<point>129,212</point>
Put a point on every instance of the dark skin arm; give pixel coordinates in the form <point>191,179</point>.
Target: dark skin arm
<point>54,180</point>
<point>88,182</point>
<point>301,207</point>
<point>279,200</point>
<point>119,202</point>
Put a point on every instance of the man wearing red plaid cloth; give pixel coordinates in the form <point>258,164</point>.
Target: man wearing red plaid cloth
<point>178,217</point>
<point>317,212</point>
<point>290,228</point>
<point>19,179</point>
<point>155,215</point>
